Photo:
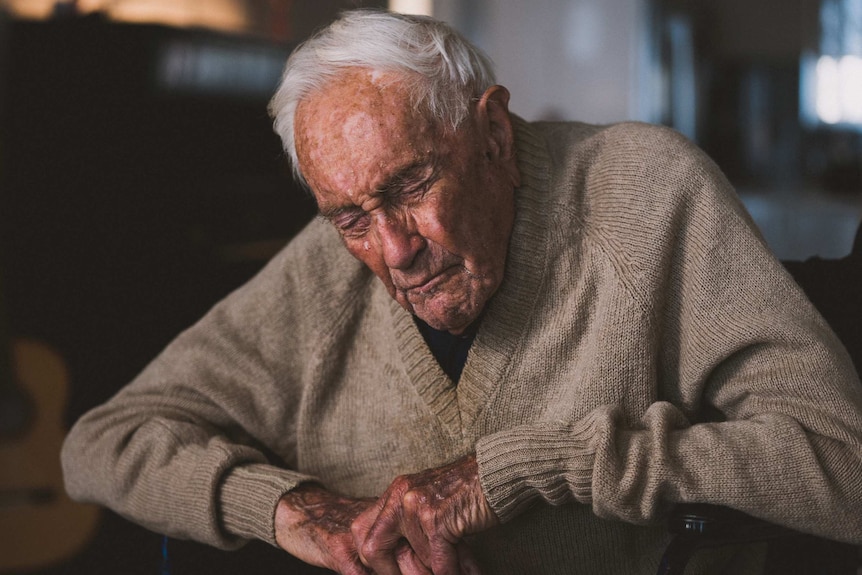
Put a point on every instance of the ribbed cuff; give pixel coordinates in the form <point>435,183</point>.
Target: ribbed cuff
<point>248,498</point>
<point>552,462</point>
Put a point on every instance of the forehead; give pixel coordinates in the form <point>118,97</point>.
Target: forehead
<point>356,131</point>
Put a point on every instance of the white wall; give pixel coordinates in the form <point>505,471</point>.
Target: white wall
<point>570,59</point>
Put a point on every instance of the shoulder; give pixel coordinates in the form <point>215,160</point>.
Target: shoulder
<point>637,192</point>
<point>631,169</point>
<point>313,276</point>
<point>619,150</point>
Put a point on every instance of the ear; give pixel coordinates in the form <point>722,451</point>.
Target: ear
<point>493,116</point>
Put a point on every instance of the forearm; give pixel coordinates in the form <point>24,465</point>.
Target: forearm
<point>195,446</point>
<point>173,475</point>
<point>143,472</point>
<point>769,466</point>
<point>173,452</point>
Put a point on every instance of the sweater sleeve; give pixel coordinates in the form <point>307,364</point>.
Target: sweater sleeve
<point>756,404</point>
<point>189,448</point>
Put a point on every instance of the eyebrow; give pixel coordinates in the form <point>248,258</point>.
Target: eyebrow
<point>411,172</point>
<point>334,212</point>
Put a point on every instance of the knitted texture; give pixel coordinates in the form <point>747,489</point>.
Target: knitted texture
<point>644,348</point>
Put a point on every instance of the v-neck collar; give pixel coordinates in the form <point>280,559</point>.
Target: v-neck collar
<point>489,360</point>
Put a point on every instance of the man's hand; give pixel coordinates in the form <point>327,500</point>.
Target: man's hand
<point>313,525</point>
<point>433,510</point>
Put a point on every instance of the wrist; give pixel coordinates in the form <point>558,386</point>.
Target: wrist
<point>247,497</point>
<point>291,512</point>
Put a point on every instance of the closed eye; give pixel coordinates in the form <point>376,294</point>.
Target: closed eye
<point>407,194</point>
<point>352,223</point>
<point>405,188</point>
<point>409,190</point>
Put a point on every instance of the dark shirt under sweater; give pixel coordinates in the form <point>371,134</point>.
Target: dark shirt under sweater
<point>449,350</point>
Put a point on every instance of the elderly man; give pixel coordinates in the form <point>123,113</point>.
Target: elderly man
<point>538,338</point>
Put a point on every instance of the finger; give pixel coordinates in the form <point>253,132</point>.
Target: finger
<point>377,550</point>
<point>345,558</point>
<point>356,568</point>
<point>417,524</point>
<point>409,562</point>
<point>444,558</point>
<point>362,525</point>
<point>422,526</point>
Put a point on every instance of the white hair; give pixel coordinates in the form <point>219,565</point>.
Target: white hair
<point>447,70</point>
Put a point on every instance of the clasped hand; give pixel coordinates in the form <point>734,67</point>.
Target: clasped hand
<point>415,528</point>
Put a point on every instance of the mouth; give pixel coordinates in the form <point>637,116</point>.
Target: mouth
<point>427,284</point>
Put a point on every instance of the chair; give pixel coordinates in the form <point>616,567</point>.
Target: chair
<point>696,527</point>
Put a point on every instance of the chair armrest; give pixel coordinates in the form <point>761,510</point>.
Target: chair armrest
<point>722,524</point>
<point>699,526</point>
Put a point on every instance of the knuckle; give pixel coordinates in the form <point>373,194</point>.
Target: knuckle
<point>401,483</point>
<point>357,530</point>
<point>428,518</point>
<point>412,501</point>
<point>371,549</point>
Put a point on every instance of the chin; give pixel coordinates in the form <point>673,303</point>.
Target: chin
<point>452,319</point>
<point>452,309</point>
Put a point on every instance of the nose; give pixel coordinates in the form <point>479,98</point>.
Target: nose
<point>399,239</point>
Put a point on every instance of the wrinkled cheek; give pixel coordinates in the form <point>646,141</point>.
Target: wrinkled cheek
<point>383,275</point>
<point>364,252</point>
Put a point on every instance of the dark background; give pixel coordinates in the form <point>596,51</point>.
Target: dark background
<point>128,208</point>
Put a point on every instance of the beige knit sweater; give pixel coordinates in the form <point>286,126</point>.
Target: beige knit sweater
<point>644,349</point>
